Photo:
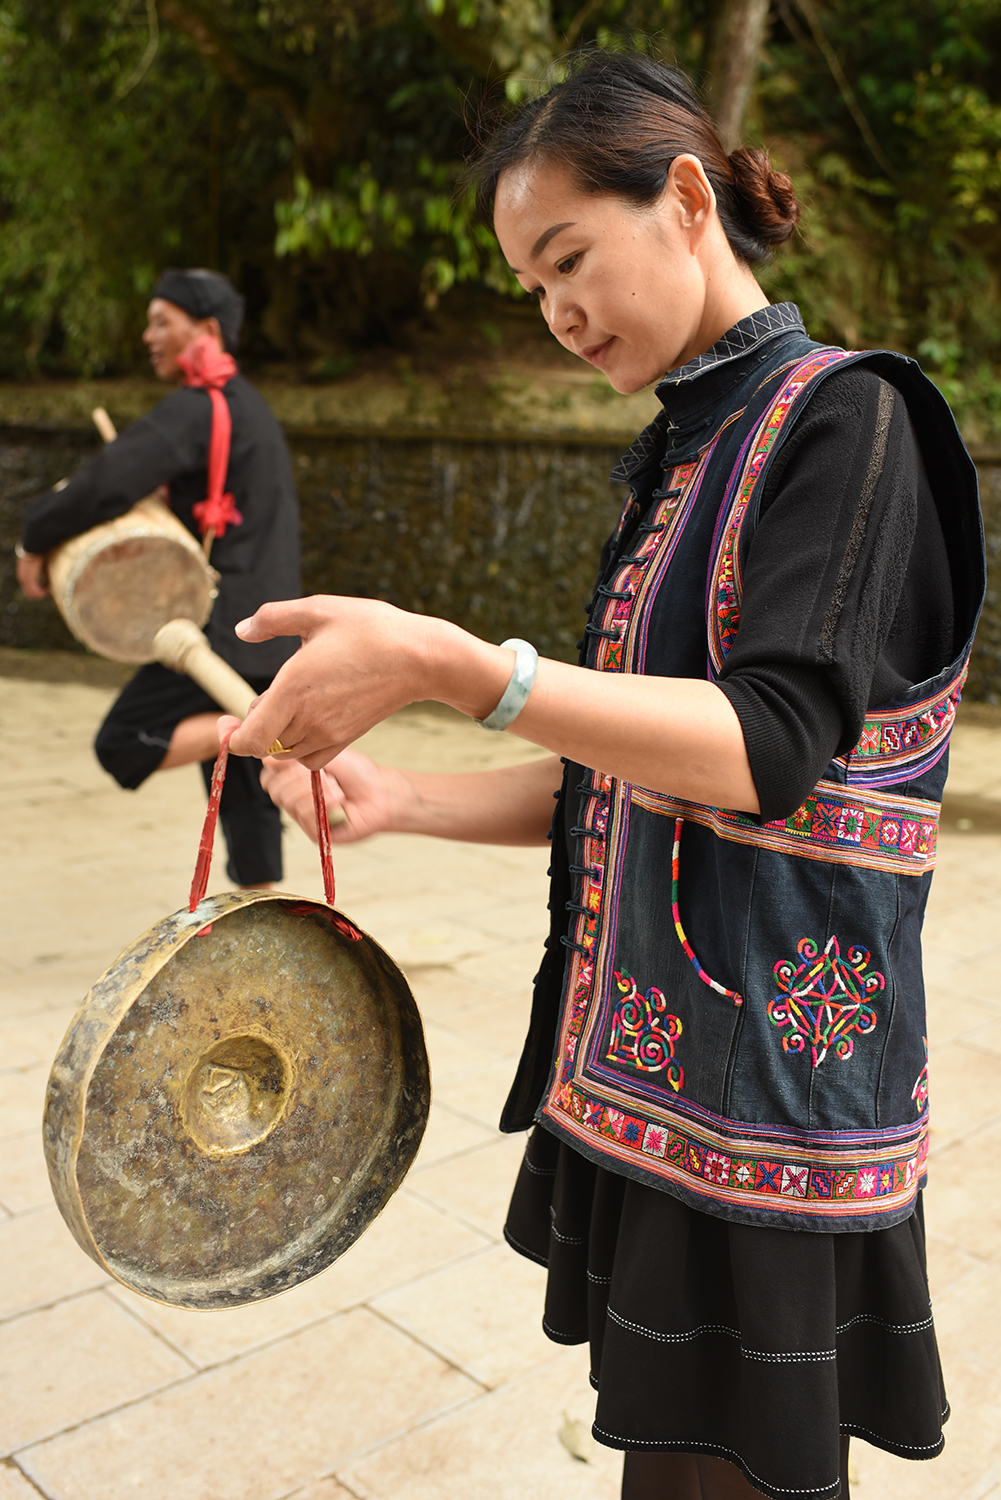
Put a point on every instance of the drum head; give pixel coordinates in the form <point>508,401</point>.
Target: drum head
<point>230,1109</point>
<point>125,592</point>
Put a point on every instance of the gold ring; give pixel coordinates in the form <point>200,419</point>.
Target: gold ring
<point>276,749</point>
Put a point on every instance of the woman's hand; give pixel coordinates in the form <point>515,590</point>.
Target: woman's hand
<point>360,661</point>
<point>368,798</point>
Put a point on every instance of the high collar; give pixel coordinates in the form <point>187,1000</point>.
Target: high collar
<point>691,394</point>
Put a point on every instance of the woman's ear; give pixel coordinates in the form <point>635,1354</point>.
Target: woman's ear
<point>693,194</point>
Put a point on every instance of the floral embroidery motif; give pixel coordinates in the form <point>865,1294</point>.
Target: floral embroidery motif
<point>919,1093</point>
<point>642,1032</point>
<point>823,999</point>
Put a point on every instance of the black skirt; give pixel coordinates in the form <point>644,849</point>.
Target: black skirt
<point>757,1345</point>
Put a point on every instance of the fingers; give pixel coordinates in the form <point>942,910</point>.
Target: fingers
<point>31,577</point>
<point>288,617</point>
<point>225,723</point>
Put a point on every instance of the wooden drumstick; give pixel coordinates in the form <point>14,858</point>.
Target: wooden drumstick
<point>104,424</point>
<point>182,647</point>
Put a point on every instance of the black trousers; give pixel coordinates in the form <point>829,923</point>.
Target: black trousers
<point>135,737</point>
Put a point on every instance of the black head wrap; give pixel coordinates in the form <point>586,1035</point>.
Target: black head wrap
<point>204,294</point>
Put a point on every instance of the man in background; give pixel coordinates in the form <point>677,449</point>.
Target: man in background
<point>245,496</point>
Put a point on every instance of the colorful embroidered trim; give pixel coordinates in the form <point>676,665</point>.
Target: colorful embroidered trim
<point>822,999</point>
<point>812,1174</point>
<point>897,745</point>
<point>713,984</point>
<point>723,590</point>
<point>876,831</point>
<point>650,558</point>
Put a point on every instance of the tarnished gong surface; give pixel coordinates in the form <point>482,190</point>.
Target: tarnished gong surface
<point>228,1112</point>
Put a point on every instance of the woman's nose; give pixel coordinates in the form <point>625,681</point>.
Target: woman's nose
<point>564,315</point>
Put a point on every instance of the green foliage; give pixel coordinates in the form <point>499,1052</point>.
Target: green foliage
<point>906,259</point>
<point>438,229</point>
<point>310,148</point>
<point>99,190</point>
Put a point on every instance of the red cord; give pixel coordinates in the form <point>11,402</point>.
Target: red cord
<point>323,836</point>
<point>326,856</point>
<point>203,864</point>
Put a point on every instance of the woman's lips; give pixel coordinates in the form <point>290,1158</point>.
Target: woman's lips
<point>595,355</point>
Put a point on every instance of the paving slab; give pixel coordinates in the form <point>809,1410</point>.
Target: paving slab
<point>260,1427</point>
<point>14,1486</point>
<point>69,1363</point>
<point>503,1447</point>
<point>476,1186</point>
<point>24,1177</point>
<point>482,1314</point>
<point>448,1134</point>
<point>415,1367</point>
<point>407,1243</point>
<point>41,1263</point>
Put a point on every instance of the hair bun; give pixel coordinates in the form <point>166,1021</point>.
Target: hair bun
<point>770,201</point>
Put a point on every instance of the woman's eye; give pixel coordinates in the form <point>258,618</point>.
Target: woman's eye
<point>565,266</point>
<point>538,292</point>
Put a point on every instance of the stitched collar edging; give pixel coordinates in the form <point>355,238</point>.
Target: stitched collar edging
<point>742,339</point>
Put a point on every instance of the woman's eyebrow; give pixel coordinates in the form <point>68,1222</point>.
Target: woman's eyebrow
<point>543,241</point>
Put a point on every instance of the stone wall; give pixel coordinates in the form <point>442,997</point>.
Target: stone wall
<point>501,537</point>
<point>498,529</point>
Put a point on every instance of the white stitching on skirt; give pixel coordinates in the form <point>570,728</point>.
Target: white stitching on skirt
<point>823,1489</point>
<point>694,1333</point>
<point>881,1323</point>
<point>599,1280</point>
<point>911,1447</point>
<point>567,1239</point>
<point>525,1249</point>
<point>539,1171</point>
<point>564,1239</point>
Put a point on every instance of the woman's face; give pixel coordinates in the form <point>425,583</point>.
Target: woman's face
<point>624,287</point>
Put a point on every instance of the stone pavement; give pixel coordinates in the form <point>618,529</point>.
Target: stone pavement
<point>415,1368</point>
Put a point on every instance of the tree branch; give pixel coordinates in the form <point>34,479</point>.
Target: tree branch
<point>733,63</point>
<point>809,11</point>
<point>251,75</point>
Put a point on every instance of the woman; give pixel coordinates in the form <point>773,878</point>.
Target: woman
<point>726,1056</point>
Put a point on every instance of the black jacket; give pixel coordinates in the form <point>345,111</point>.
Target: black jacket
<point>258,561</point>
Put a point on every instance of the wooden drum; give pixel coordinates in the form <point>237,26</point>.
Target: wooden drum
<point>118,583</point>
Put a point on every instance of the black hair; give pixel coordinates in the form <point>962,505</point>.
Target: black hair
<point>616,122</point>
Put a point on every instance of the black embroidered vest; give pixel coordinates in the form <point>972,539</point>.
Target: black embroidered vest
<point>742,1019</point>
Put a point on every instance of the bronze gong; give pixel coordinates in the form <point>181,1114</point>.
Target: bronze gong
<point>235,1101</point>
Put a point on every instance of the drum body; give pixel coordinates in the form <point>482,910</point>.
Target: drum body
<point>234,1103</point>
<point>116,584</point>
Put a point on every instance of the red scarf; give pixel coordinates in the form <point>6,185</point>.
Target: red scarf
<point>205,366</point>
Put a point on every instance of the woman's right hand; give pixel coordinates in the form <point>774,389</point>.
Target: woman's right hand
<point>368,797</point>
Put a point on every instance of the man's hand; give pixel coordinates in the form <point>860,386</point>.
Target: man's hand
<point>31,575</point>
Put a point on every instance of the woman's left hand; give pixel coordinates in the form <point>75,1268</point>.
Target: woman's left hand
<point>361,797</point>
